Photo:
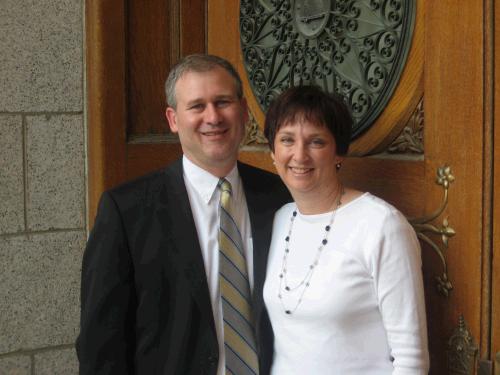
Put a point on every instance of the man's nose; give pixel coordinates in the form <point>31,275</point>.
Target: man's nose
<point>212,115</point>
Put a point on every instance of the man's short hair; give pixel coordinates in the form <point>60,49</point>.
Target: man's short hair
<point>198,63</point>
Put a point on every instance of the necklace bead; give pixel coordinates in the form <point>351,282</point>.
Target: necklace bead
<point>305,282</point>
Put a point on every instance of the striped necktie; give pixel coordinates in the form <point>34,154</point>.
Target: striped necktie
<point>239,337</point>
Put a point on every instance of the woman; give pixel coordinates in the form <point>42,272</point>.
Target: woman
<point>344,286</point>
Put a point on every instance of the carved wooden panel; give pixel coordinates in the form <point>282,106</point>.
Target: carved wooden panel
<point>131,46</point>
<point>356,49</point>
<point>158,33</point>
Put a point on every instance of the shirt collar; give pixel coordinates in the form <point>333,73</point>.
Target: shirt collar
<point>205,183</point>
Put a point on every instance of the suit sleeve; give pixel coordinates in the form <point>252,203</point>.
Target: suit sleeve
<point>399,285</point>
<point>105,343</point>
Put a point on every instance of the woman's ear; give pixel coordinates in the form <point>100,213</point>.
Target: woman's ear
<point>338,163</point>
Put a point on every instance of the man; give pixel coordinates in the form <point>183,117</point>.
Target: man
<point>154,288</point>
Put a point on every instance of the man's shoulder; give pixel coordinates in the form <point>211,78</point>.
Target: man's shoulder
<point>148,184</point>
<point>262,181</point>
<point>249,171</point>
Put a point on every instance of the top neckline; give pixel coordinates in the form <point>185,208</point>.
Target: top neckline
<point>319,217</point>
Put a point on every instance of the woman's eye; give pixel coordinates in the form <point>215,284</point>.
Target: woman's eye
<point>318,142</point>
<point>286,140</point>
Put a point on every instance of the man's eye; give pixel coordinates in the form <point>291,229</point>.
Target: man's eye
<point>222,103</point>
<point>196,107</point>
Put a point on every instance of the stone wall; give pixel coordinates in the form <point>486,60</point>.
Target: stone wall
<point>42,184</point>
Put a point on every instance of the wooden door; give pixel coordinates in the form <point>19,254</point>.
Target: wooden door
<point>446,190</point>
<point>451,190</point>
<point>131,46</point>
<point>494,21</point>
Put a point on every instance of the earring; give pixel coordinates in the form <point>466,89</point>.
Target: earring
<point>338,165</point>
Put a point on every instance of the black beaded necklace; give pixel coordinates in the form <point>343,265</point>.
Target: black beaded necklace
<point>284,285</point>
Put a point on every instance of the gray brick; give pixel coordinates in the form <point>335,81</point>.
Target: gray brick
<point>39,297</point>
<point>41,59</point>
<point>60,362</point>
<point>11,174</point>
<point>55,169</point>
<point>19,365</point>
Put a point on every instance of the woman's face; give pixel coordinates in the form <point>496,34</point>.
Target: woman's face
<point>305,156</point>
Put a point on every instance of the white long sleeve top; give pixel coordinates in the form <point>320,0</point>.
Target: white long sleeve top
<point>364,311</point>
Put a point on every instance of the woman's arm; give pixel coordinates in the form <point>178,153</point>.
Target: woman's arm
<point>397,274</point>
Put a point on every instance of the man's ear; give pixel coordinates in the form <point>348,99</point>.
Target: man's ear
<point>172,119</point>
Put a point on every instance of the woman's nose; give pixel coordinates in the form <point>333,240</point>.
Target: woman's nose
<point>300,152</point>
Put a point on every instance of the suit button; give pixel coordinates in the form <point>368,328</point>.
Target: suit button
<point>213,359</point>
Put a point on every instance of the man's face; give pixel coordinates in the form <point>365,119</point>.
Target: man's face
<point>209,118</point>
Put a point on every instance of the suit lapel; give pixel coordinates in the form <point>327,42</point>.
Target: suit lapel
<point>261,219</point>
<point>177,219</point>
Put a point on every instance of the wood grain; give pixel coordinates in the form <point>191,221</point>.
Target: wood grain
<point>106,99</point>
<point>454,119</point>
<point>150,53</point>
<point>130,48</point>
<point>495,311</point>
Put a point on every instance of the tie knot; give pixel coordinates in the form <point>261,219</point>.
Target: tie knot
<point>225,185</point>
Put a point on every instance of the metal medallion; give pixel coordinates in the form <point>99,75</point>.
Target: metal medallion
<point>356,48</point>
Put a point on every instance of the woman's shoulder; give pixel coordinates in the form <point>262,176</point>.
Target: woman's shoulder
<point>365,200</point>
<point>286,209</point>
<point>367,205</point>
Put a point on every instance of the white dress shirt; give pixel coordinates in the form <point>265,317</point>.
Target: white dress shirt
<point>364,310</point>
<point>204,199</point>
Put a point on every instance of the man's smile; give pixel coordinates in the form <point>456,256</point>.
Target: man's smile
<point>214,132</point>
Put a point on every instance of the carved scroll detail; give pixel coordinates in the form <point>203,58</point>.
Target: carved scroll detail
<point>411,139</point>
<point>253,133</point>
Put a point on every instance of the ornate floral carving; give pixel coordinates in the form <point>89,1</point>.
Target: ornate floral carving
<point>352,47</point>
<point>461,351</point>
<point>411,139</point>
<point>424,228</point>
<point>253,134</point>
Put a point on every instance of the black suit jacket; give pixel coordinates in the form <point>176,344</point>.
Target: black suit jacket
<point>145,303</point>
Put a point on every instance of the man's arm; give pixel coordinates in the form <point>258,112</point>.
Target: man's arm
<point>106,341</point>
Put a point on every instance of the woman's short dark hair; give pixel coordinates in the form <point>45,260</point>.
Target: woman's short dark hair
<point>312,104</point>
